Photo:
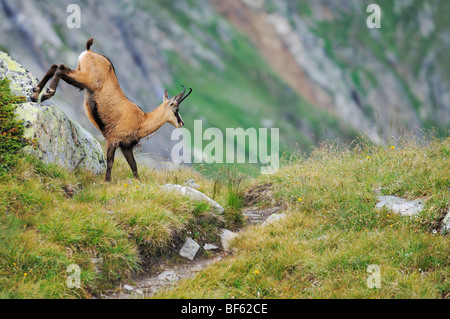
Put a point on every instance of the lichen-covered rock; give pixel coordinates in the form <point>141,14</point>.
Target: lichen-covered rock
<point>59,139</point>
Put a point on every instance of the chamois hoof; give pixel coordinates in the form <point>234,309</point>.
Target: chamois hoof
<point>45,97</point>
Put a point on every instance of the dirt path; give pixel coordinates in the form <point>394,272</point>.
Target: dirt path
<point>167,274</point>
<point>166,277</point>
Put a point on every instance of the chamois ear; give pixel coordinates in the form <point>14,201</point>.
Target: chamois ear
<point>166,96</point>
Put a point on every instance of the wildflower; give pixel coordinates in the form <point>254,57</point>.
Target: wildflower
<point>391,226</point>
<point>126,184</point>
<point>368,157</point>
<point>25,274</point>
<point>387,215</point>
<point>256,272</point>
<point>392,147</point>
<point>299,199</point>
<point>434,231</point>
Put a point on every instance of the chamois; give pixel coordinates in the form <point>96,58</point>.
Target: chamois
<point>120,121</point>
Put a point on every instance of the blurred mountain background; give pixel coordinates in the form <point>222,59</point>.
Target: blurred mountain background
<point>311,68</point>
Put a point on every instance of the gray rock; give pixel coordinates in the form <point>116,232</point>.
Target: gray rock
<point>226,237</point>
<point>60,140</point>
<point>445,228</point>
<point>189,249</point>
<point>256,215</point>
<point>400,206</point>
<point>272,218</point>
<point>194,194</point>
<point>210,247</point>
<point>168,277</point>
<point>128,287</point>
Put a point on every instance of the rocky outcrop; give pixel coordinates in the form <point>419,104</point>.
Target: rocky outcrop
<point>59,139</point>
<point>381,82</point>
<point>325,51</point>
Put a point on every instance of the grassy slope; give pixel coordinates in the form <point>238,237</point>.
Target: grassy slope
<point>322,248</point>
<point>332,231</point>
<point>43,230</point>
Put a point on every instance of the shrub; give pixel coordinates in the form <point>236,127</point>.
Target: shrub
<point>11,129</point>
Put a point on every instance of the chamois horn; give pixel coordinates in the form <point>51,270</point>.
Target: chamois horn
<point>181,98</point>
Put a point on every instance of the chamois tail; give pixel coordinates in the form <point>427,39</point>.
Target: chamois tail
<point>89,43</point>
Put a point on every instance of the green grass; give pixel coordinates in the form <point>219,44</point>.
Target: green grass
<point>332,231</point>
<point>51,218</point>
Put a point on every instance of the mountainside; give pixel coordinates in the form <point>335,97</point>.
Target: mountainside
<point>311,68</point>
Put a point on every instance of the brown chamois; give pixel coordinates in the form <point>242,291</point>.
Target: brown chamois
<point>121,122</point>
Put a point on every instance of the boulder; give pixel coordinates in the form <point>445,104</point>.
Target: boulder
<point>60,140</point>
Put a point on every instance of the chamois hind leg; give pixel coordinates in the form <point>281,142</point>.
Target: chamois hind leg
<point>110,150</point>
<point>38,88</point>
<point>128,154</point>
<point>73,77</point>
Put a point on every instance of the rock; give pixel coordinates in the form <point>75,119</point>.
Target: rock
<point>272,218</point>
<point>194,194</point>
<point>226,237</point>
<point>445,228</point>
<point>168,277</point>
<point>60,140</point>
<point>210,247</point>
<point>128,287</point>
<point>189,249</point>
<point>256,215</point>
<point>400,206</point>
<point>139,291</point>
<point>190,182</point>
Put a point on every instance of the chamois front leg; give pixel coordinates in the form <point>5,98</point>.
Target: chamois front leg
<point>128,154</point>
<point>38,88</point>
<point>110,150</point>
<point>73,77</point>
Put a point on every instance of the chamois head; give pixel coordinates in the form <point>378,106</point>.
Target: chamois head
<point>173,107</point>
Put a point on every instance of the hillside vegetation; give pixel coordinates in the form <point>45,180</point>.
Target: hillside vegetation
<point>51,218</point>
<point>332,231</point>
